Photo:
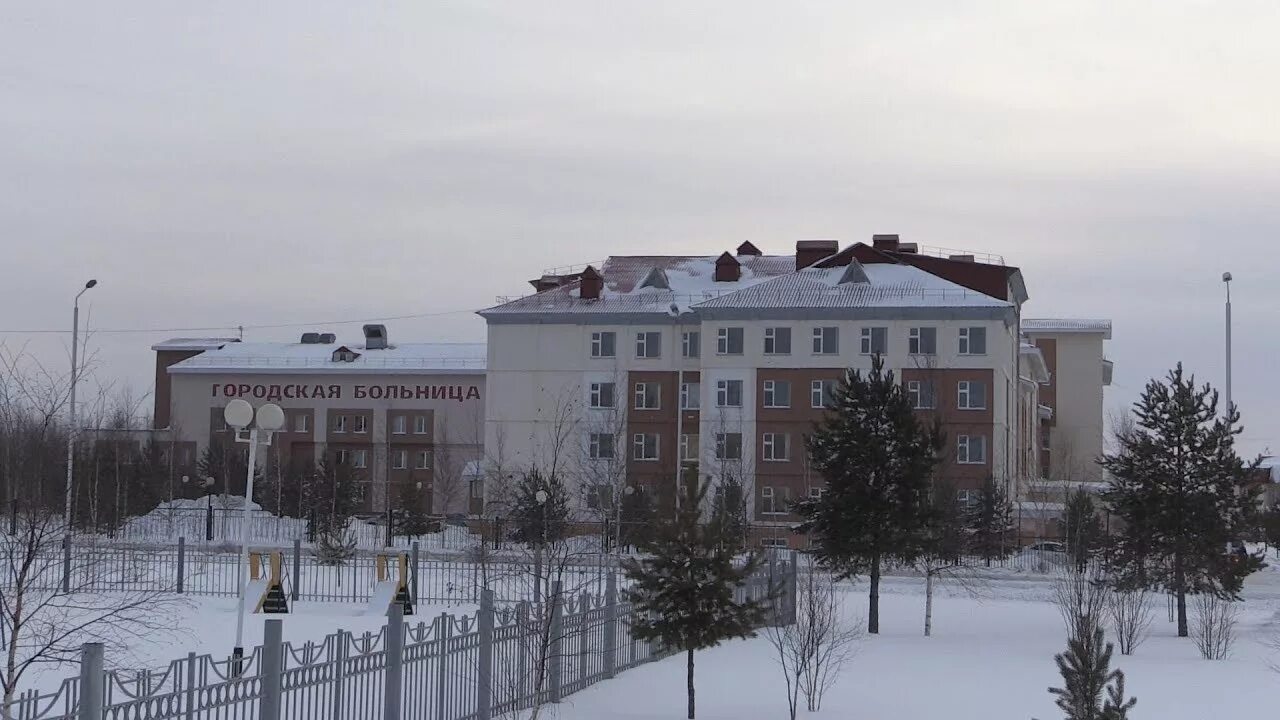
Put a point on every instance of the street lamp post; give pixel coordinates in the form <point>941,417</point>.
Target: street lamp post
<point>541,496</point>
<point>269,418</point>
<point>71,410</point>
<point>1226,280</point>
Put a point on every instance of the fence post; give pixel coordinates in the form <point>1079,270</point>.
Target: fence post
<point>793,587</point>
<point>611,625</point>
<point>584,636</point>
<point>271,672</point>
<point>444,626</point>
<point>413,577</point>
<point>339,672</point>
<point>191,687</point>
<point>66,563</point>
<point>297,569</point>
<point>555,650</point>
<point>484,656</point>
<point>91,677</point>
<point>182,565</point>
<point>395,662</point>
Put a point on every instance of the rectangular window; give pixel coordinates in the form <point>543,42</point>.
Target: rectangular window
<point>648,345</point>
<point>775,543</point>
<point>399,459</point>
<point>820,393</point>
<point>777,447</point>
<point>688,447</point>
<point>302,423</point>
<point>423,461</point>
<point>875,340</point>
<point>362,424</point>
<point>971,449</point>
<point>921,394</point>
<point>773,502</point>
<point>971,395</point>
<point>399,424</point>
<point>420,424</point>
<point>729,341</point>
<point>690,396</point>
<point>968,499</point>
<point>728,446</point>
<point>777,341</point>
<point>601,395</point>
<point>602,344</point>
<point>360,459</point>
<point>341,457</point>
<point>826,340</point>
<point>973,341</point>
<point>600,446</point>
<point>728,393</point>
<point>777,394</point>
<point>1044,439</point>
<point>339,423</point>
<point>922,341</point>
<point>644,446</point>
<point>691,344</point>
<point>647,395</point>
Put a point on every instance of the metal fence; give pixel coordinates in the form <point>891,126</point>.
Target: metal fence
<point>495,662</point>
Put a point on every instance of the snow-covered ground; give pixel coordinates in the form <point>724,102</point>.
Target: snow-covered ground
<point>990,658</point>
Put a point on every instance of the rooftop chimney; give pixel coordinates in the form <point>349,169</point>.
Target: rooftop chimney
<point>310,338</point>
<point>809,252</point>
<point>961,258</point>
<point>908,248</point>
<point>591,284</point>
<point>375,337</point>
<point>728,269</point>
<point>885,242</point>
<point>747,248</point>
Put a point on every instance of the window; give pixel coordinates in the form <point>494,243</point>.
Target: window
<point>771,501</point>
<point>691,344</point>
<point>777,394</point>
<point>777,447</point>
<point>777,341</point>
<point>921,394</point>
<point>399,459</point>
<point>648,345</point>
<point>341,457</point>
<point>728,393</point>
<point>968,499</point>
<point>875,340</point>
<point>729,341</point>
<point>971,449</point>
<point>774,543</point>
<point>219,422</point>
<point>973,341</point>
<point>647,395</point>
<point>602,344</point>
<point>971,395</point>
<point>362,424</point>
<point>644,446</point>
<point>601,395</point>
<point>600,497</point>
<point>690,396</point>
<point>302,423</point>
<point>423,461</point>
<point>339,423</point>
<point>600,446</point>
<point>360,458</point>
<point>922,341</point>
<point>1044,439</point>
<point>820,392</point>
<point>826,340</point>
<point>688,447</point>
<point>728,446</point>
<point>399,425</point>
<point>420,424</point>
<point>816,493</point>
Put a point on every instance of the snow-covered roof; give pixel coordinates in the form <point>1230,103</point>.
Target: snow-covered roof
<point>400,358</point>
<point>1067,325</point>
<point>192,344</point>
<point>887,285</point>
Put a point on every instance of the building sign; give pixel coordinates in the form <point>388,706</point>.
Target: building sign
<point>301,391</point>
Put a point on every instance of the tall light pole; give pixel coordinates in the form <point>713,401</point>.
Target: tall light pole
<point>1226,280</point>
<point>71,411</point>
<point>269,418</point>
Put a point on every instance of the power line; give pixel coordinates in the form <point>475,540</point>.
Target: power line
<point>271,326</point>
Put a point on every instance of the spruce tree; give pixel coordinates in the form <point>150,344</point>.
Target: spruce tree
<point>683,588</point>
<point>1081,528</point>
<point>539,523</point>
<point>730,506</point>
<point>991,522</point>
<point>1183,494</point>
<point>878,460</point>
<point>1086,674</point>
<point>413,519</point>
<point>636,517</point>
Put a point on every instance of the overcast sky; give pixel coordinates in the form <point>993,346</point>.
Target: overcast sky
<point>222,164</point>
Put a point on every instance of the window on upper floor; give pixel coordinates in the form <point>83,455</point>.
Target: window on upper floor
<point>728,393</point>
<point>691,344</point>
<point>820,393</point>
<point>728,446</point>
<point>971,449</point>
<point>688,447</point>
<point>971,395</point>
<point>302,423</point>
<point>921,394</point>
<point>875,340</point>
<point>777,341</point>
<point>729,341</point>
<point>399,425</point>
<point>648,396</point>
<point>360,459</point>
<point>339,423</point>
<point>399,459</point>
<point>776,447</point>
<point>423,461</point>
<point>690,396</point>
<point>826,340</point>
<point>600,446</point>
<point>773,501</point>
<point>776,393</point>
<point>973,341</point>
<point>600,395</point>
<point>648,345</point>
<point>922,341</point>
<point>602,344</point>
<point>644,446</point>
<point>362,424</point>
<point>419,424</point>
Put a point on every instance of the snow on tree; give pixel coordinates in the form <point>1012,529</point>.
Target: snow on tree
<point>1086,674</point>
<point>1183,493</point>
<point>878,461</point>
<point>684,584</point>
<point>991,522</point>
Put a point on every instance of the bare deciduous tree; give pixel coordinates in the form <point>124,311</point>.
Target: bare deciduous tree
<point>811,651</point>
<point>1131,612</point>
<point>1081,598</point>
<point>1214,626</point>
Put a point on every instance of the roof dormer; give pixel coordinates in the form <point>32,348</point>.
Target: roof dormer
<point>747,248</point>
<point>344,354</point>
<point>657,278</point>
<point>728,269</point>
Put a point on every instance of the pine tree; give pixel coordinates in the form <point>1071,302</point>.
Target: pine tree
<point>334,498</point>
<point>1086,673</point>
<point>1081,528</point>
<point>413,519</point>
<point>729,505</point>
<point>991,522</point>
<point>1183,494</point>
<point>539,523</point>
<point>683,588</point>
<point>877,459</point>
<point>636,516</point>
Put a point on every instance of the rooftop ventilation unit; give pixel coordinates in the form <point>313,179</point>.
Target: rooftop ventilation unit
<point>310,338</point>
<point>657,278</point>
<point>328,338</point>
<point>375,337</point>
